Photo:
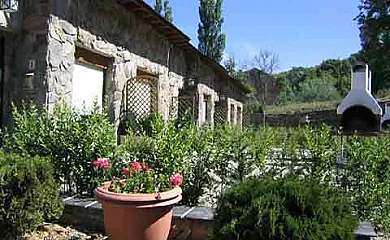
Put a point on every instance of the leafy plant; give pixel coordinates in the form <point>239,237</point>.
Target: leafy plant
<point>72,140</point>
<point>366,177</point>
<point>28,194</point>
<point>286,208</point>
<point>139,178</point>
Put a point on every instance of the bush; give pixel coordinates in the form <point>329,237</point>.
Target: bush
<point>72,140</point>
<point>171,150</point>
<point>366,177</point>
<point>28,194</point>
<point>286,208</point>
<point>149,125</point>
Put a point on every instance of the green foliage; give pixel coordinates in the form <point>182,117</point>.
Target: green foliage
<point>149,125</point>
<point>212,159</point>
<point>72,141</point>
<point>168,11</point>
<point>253,107</point>
<point>172,150</point>
<point>367,178</point>
<point>138,177</point>
<point>286,208</point>
<point>210,36</point>
<point>307,152</point>
<point>158,6</point>
<point>374,22</point>
<point>318,89</point>
<point>328,81</point>
<point>301,107</point>
<point>240,152</point>
<point>28,194</point>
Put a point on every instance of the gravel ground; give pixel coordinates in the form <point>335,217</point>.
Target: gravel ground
<point>50,231</point>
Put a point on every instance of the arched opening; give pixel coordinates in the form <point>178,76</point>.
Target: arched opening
<point>361,119</point>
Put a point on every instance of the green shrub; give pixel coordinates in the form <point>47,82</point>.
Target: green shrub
<point>72,140</point>
<point>172,150</point>
<point>366,177</point>
<point>286,209</point>
<point>28,194</point>
<point>149,125</point>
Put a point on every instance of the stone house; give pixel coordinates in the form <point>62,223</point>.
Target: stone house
<point>267,87</point>
<point>83,51</point>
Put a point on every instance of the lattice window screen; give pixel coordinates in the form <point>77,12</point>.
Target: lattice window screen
<point>221,113</point>
<point>182,105</point>
<point>141,96</point>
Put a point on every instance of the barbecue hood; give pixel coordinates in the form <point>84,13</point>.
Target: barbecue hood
<point>359,110</point>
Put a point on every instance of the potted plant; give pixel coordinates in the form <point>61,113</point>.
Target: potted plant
<point>138,205</point>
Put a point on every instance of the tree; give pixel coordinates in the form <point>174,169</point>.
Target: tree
<point>266,61</point>
<point>211,39</point>
<point>374,23</point>
<point>230,65</point>
<point>168,11</point>
<point>158,7</point>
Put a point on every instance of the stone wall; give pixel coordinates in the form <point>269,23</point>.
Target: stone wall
<point>328,117</point>
<point>25,36</point>
<point>107,28</point>
<point>52,30</point>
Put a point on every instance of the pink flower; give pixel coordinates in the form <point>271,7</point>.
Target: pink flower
<point>177,179</point>
<point>101,162</point>
<point>146,167</point>
<point>125,171</point>
<point>96,163</point>
<point>105,163</point>
<point>136,166</point>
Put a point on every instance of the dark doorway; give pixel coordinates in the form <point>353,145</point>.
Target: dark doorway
<point>360,119</point>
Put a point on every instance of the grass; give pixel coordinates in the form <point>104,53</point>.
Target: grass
<point>301,107</point>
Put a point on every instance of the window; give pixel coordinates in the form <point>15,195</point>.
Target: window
<point>88,82</point>
<point>141,95</point>
<point>239,116</point>
<point>232,113</point>
<point>207,108</point>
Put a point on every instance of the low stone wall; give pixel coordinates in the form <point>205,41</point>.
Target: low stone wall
<point>328,117</point>
<point>189,223</point>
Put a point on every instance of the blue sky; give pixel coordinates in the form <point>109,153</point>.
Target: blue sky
<point>302,32</point>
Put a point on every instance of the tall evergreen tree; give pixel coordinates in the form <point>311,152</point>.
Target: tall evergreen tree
<point>374,22</point>
<point>211,39</point>
<point>158,6</point>
<point>168,11</point>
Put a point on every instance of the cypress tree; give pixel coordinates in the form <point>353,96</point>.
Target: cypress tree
<point>210,36</point>
<point>158,6</point>
<point>168,11</point>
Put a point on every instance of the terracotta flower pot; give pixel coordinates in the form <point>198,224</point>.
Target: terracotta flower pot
<point>137,216</point>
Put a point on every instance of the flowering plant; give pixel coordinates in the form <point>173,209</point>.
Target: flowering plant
<point>138,177</point>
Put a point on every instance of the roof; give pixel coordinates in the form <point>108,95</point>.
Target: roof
<point>174,35</point>
<point>147,13</point>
